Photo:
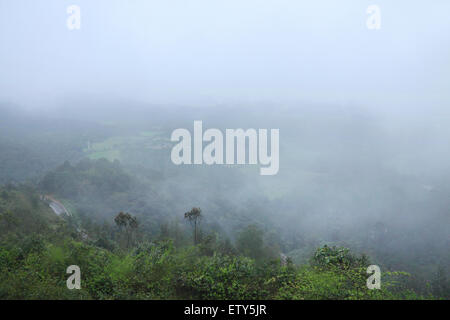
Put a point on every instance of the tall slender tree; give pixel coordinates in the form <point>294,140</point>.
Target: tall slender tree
<point>194,217</point>
<point>127,222</point>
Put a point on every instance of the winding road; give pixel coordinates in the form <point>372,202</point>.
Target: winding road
<point>56,206</point>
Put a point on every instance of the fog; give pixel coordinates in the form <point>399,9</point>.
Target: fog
<point>363,114</point>
<point>204,52</point>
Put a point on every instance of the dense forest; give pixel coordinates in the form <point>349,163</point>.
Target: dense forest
<point>141,228</point>
<point>121,260</point>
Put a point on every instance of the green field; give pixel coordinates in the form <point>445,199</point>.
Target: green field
<point>113,148</point>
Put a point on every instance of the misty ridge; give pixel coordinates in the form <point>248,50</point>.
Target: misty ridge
<point>351,177</point>
<point>343,170</point>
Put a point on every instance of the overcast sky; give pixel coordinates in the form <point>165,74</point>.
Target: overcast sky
<point>216,51</point>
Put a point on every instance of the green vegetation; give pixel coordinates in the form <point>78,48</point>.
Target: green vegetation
<point>308,233</point>
<point>119,147</point>
<point>36,247</point>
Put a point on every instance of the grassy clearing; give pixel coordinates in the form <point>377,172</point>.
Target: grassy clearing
<point>113,148</point>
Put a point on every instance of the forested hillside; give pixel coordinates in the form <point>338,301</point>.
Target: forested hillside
<point>308,233</point>
<point>36,247</point>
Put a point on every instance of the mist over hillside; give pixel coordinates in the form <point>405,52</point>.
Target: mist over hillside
<point>224,150</point>
<point>347,175</point>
